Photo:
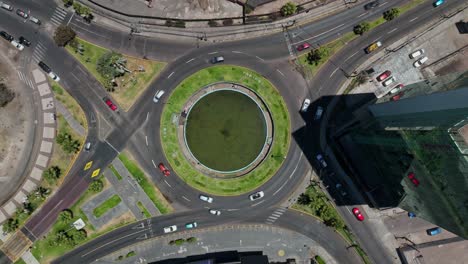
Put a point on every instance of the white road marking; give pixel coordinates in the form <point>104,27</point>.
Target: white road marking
<point>57,9</point>
<point>384,3</point>
<point>362,14</point>
<point>167,183</point>
<point>272,217</point>
<point>259,58</point>
<point>325,32</point>
<point>154,164</point>
<point>170,75</point>
<point>112,241</point>
<point>235,51</point>
<point>279,189</point>
<point>393,30</point>
<point>257,203</point>
<point>276,215</point>
<point>333,72</point>
<point>186,198</point>
<point>213,52</point>
<point>279,72</point>
<point>230,210</point>
<point>351,55</point>
<point>376,39</point>
<point>413,19</point>
<point>146,139</point>
<point>70,18</point>
<point>147,116</point>
<point>111,144</point>
<point>297,165</point>
<point>190,60</point>
<point>56,20</point>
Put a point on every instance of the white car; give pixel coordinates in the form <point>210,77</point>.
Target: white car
<point>322,162</point>
<point>318,113</point>
<point>416,54</point>
<point>6,6</point>
<point>388,81</point>
<point>256,196</point>
<point>158,95</point>
<point>17,45</point>
<point>305,105</point>
<point>420,62</point>
<point>215,212</point>
<point>170,229</point>
<point>206,198</point>
<point>54,76</point>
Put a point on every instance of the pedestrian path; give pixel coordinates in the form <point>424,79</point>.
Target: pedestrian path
<point>58,16</point>
<point>72,122</point>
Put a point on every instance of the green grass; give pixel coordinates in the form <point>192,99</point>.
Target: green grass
<point>319,260</point>
<point>110,203</point>
<point>143,209</point>
<point>150,190</point>
<point>274,102</point>
<point>115,172</point>
<point>20,261</point>
<point>404,8</point>
<point>67,100</point>
<point>131,85</point>
<point>130,254</point>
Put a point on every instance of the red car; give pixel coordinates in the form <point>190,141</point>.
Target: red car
<point>164,170</point>
<point>358,214</point>
<point>110,104</point>
<point>384,76</point>
<point>303,46</point>
<point>413,179</point>
<point>397,97</point>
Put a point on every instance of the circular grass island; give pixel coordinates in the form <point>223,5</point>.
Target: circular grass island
<point>225,130</point>
<point>176,114</point>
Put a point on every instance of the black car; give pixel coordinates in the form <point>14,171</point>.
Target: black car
<point>372,5</point>
<point>44,67</point>
<point>24,41</point>
<point>21,13</point>
<point>6,36</point>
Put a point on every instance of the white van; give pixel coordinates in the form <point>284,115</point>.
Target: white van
<point>388,81</point>
<point>158,95</point>
<point>6,6</point>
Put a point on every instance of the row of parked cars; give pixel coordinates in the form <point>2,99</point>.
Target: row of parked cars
<point>22,41</point>
<point>21,13</point>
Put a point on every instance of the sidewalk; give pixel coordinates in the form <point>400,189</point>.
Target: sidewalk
<point>75,125</point>
<point>202,31</point>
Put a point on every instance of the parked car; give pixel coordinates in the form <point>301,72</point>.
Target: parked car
<point>34,20</point>
<point>6,36</point>
<point>321,161</point>
<point>371,5</point>
<point>303,46</point>
<point>164,170</point>
<point>420,62</point>
<point>383,76</point>
<point>358,214</point>
<point>413,179</point>
<point>215,212</point>
<point>109,103</point>
<point>206,198</point>
<point>397,97</point>
<point>22,13</point>
<point>191,225</point>
<point>416,54</point>
<point>24,41</point>
<point>388,81</point>
<point>217,59</point>
<point>170,229</point>
<point>158,95</point>
<point>256,196</point>
<point>341,189</point>
<point>396,89</point>
<point>17,45</point>
<point>7,6</point>
<point>318,113</point>
<point>438,3</point>
<point>55,77</point>
<point>44,67</point>
<point>434,231</point>
<point>305,105</point>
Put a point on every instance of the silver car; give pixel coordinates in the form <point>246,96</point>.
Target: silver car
<point>206,198</point>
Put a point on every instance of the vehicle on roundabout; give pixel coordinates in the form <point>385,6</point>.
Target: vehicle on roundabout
<point>217,59</point>
<point>256,196</point>
<point>191,225</point>
<point>413,179</point>
<point>372,5</point>
<point>205,198</point>
<point>109,103</point>
<point>357,214</point>
<point>215,212</point>
<point>373,47</point>
<point>158,95</point>
<point>170,229</point>
<point>164,170</point>
<point>438,3</point>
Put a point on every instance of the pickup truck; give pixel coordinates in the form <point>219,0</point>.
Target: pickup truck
<point>373,47</point>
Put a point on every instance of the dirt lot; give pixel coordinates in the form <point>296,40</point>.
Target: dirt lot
<point>14,126</point>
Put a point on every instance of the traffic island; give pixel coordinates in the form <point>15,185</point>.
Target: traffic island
<point>278,143</point>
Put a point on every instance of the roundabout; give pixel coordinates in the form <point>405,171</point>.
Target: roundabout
<point>225,130</point>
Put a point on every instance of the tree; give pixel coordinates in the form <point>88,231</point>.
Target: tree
<point>63,35</point>
<point>303,199</point>
<point>10,225</point>
<point>315,56</point>
<point>78,8</point>
<point>6,95</point>
<point>78,236</point>
<point>65,216</point>
<point>96,186</point>
<point>67,3</point>
<point>391,14</point>
<point>105,66</point>
<point>69,145</point>
<point>52,174</point>
<point>361,28</point>
<point>288,9</point>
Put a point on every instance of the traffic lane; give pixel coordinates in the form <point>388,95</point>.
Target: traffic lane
<point>42,9</point>
<point>325,236</point>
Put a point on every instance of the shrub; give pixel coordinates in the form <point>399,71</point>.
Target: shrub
<point>6,95</point>
<point>361,28</point>
<point>65,216</point>
<point>69,145</point>
<point>52,174</point>
<point>391,14</point>
<point>191,239</point>
<point>179,242</point>
<point>315,56</point>
<point>10,225</point>
<point>63,35</point>
<point>228,22</point>
<point>96,186</point>
<point>288,9</point>
<point>213,23</point>
<point>180,24</point>
<point>303,199</point>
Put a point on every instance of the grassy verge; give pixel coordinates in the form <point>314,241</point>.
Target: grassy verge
<point>110,203</point>
<point>279,113</point>
<point>131,85</point>
<point>115,172</point>
<point>320,207</point>
<point>20,261</point>
<point>153,193</point>
<point>143,209</point>
<point>67,100</point>
<point>404,8</point>
<point>319,260</point>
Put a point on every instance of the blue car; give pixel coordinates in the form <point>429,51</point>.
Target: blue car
<point>438,3</point>
<point>434,231</point>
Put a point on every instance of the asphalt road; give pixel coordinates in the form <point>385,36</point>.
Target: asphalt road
<point>267,55</point>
